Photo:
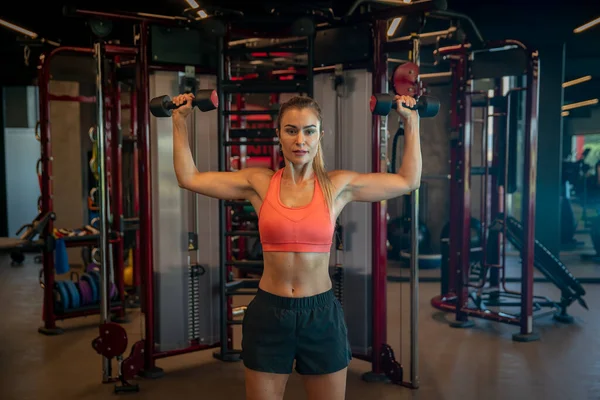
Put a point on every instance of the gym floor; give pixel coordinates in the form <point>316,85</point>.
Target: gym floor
<point>478,363</point>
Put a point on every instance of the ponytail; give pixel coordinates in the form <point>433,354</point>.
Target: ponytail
<point>323,177</point>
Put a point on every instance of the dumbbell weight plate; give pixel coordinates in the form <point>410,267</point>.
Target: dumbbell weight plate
<point>404,79</point>
<point>381,103</point>
<point>206,100</point>
<point>158,107</point>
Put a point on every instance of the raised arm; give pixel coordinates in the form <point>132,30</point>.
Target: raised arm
<point>221,185</point>
<point>373,187</point>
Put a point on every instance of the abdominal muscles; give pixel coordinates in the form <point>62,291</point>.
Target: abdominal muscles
<point>295,274</point>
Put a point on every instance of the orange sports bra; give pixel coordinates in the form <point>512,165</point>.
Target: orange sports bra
<point>307,229</point>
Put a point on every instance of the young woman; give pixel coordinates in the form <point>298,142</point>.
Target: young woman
<point>295,316</point>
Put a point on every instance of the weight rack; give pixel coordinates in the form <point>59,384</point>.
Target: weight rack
<point>110,100</point>
<point>234,132</point>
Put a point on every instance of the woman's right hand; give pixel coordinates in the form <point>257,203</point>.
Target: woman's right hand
<point>185,109</point>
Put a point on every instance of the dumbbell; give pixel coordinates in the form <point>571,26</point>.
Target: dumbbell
<point>205,100</point>
<point>383,103</point>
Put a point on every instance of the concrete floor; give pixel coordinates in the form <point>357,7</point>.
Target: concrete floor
<point>480,363</point>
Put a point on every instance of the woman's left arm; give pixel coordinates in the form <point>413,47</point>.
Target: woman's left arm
<point>374,187</point>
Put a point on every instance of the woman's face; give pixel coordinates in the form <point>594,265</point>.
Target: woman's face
<point>299,135</point>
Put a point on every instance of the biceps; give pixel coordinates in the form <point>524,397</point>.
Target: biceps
<point>376,187</point>
<point>221,185</point>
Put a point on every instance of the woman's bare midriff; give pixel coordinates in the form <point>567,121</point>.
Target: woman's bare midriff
<point>295,274</point>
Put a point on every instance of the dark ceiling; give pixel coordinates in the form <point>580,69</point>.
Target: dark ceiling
<point>532,21</point>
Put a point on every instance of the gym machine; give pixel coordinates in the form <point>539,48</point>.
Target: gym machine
<point>514,68</point>
<point>201,315</point>
<point>179,298</point>
<point>67,298</point>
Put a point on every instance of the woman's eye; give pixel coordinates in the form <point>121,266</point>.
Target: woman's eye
<point>310,132</point>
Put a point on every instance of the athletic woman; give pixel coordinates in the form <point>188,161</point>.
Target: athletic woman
<point>295,316</point>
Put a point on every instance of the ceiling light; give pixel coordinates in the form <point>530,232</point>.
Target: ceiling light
<point>580,104</point>
<point>193,4</point>
<point>394,26</point>
<point>576,81</point>
<point>202,14</point>
<point>587,25</point>
<point>16,28</point>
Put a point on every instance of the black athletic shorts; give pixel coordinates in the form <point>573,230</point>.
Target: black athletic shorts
<point>310,330</point>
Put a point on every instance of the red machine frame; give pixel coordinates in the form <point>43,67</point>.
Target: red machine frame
<point>45,137</point>
<point>379,220</point>
<point>460,195</point>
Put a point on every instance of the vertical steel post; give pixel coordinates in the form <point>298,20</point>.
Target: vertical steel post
<point>103,197</point>
<point>379,220</point>
<point>528,208</point>
<point>414,259</point>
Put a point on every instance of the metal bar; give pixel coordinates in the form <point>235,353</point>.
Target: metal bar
<point>137,276</point>
<point>64,97</point>
<point>425,35</point>
<point>529,188</point>
<point>465,196</point>
<point>264,87</point>
<point>128,16</point>
<point>117,186</point>
<point>147,260</point>
<point>436,75</point>
<point>46,191</point>
<point>103,198</point>
<point>379,224</point>
<point>414,263</point>
<point>461,207</point>
<point>117,50</point>
<point>223,299</point>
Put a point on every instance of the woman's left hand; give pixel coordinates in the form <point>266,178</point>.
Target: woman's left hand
<point>404,112</point>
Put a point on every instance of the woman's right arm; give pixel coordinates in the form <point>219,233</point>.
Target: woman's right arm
<point>221,185</point>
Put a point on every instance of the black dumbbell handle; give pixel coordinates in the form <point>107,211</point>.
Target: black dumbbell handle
<point>169,105</point>
<point>420,104</point>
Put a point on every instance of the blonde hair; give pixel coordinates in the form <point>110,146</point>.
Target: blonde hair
<point>318,162</point>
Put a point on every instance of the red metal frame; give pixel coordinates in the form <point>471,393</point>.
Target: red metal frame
<point>379,210</point>
<point>116,167</point>
<point>45,97</point>
<point>133,101</point>
<point>460,194</point>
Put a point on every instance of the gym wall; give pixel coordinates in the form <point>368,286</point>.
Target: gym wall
<point>21,152</point>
